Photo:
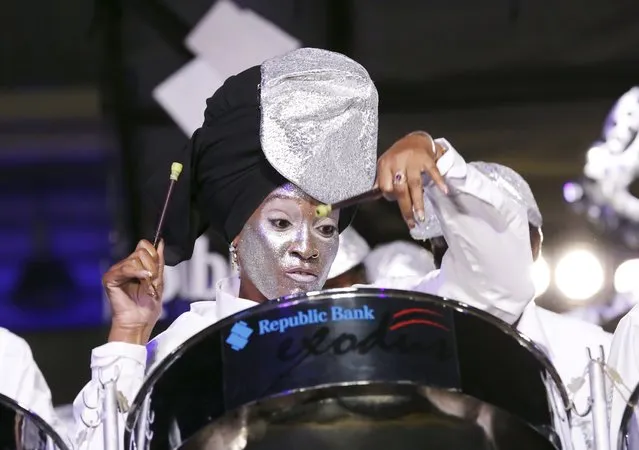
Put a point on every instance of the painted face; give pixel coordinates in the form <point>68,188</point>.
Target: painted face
<point>284,249</point>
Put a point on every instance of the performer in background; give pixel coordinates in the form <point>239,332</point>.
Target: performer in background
<point>277,140</point>
<point>355,263</point>
<point>398,260</point>
<point>603,196</point>
<point>564,339</point>
<point>348,267</point>
<point>22,380</point>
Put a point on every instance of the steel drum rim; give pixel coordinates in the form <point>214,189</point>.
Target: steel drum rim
<point>351,292</point>
<point>10,403</point>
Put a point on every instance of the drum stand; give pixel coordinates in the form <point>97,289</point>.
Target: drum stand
<point>598,401</point>
<point>110,416</point>
<point>144,433</point>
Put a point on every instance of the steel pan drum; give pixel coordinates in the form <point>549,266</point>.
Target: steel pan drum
<point>23,430</point>
<point>629,430</point>
<point>355,369</point>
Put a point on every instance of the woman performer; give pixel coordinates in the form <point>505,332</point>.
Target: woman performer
<point>276,140</point>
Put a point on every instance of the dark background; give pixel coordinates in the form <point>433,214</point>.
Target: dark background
<point>527,84</point>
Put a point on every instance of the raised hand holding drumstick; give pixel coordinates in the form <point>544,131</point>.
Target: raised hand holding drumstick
<point>134,286</point>
<point>400,176</point>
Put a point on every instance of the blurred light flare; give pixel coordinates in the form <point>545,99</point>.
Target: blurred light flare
<point>579,274</point>
<point>626,279</point>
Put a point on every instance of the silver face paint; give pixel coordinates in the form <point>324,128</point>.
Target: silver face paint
<point>284,249</point>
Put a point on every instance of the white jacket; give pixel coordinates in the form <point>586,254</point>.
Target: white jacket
<point>22,380</point>
<point>624,358</point>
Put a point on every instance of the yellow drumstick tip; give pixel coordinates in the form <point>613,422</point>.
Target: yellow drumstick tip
<point>323,210</point>
<point>176,170</point>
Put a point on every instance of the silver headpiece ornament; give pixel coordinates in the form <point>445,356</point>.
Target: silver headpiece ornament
<point>509,181</point>
<point>319,123</point>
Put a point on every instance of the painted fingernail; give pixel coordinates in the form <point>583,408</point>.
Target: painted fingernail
<point>148,274</point>
<point>420,216</point>
<point>411,224</point>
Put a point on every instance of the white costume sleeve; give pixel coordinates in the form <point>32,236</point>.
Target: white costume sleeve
<point>115,360</point>
<point>22,380</point>
<point>489,258</point>
<point>128,363</point>
<point>624,358</point>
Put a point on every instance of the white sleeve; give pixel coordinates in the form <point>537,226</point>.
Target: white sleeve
<point>115,360</point>
<point>624,359</point>
<point>131,362</point>
<point>489,258</point>
<point>25,383</point>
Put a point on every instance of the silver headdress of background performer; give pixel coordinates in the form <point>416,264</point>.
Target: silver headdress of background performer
<point>622,124</point>
<point>397,260</point>
<point>319,123</point>
<point>509,181</point>
<point>603,194</point>
<point>353,249</point>
<point>612,160</point>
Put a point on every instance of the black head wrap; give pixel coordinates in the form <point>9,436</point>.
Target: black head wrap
<point>225,176</point>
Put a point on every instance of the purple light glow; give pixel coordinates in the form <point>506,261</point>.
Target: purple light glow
<point>573,192</point>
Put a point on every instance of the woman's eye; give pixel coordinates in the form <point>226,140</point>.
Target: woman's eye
<point>328,230</point>
<point>280,224</point>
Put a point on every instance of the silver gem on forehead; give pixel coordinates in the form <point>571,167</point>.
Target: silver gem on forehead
<point>509,181</point>
<point>319,123</point>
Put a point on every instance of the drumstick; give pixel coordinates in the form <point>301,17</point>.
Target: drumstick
<point>369,196</point>
<point>176,170</point>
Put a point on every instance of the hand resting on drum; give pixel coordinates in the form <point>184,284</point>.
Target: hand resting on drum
<point>134,288</point>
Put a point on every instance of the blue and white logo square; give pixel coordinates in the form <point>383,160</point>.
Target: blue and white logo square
<point>239,337</point>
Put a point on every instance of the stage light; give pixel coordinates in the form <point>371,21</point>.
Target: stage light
<point>541,276</point>
<point>626,278</point>
<point>579,275</point>
<point>573,192</point>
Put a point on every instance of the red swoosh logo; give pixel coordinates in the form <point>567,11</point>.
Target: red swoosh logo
<point>417,322</point>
